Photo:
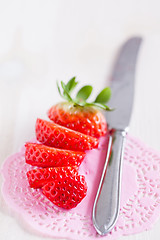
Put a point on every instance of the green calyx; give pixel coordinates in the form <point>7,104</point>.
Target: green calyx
<point>83,94</point>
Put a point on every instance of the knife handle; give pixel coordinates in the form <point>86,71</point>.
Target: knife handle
<point>106,205</point>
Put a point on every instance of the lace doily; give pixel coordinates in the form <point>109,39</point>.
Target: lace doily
<point>140,196</point>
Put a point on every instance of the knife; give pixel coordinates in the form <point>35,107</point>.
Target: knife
<point>106,205</point>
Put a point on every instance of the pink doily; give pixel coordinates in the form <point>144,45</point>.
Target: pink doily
<point>140,197</point>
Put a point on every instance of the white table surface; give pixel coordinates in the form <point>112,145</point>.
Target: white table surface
<point>42,41</point>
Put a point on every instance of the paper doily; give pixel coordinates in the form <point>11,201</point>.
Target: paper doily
<point>140,196</point>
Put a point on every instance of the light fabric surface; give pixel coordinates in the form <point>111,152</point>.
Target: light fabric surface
<point>139,204</point>
<point>44,41</point>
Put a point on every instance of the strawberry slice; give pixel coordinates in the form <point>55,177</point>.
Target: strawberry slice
<point>87,120</point>
<point>54,135</point>
<point>43,156</point>
<point>66,192</point>
<point>40,176</point>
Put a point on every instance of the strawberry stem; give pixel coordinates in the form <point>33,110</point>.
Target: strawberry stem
<point>83,94</point>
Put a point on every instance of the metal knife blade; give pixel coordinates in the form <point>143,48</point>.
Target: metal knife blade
<point>106,205</point>
<point>122,85</point>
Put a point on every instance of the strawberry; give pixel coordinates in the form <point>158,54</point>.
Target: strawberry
<point>79,115</point>
<point>43,156</point>
<point>54,135</point>
<point>76,126</point>
<point>40,176</point>
<point>66,192</point>
<point>87,120</point>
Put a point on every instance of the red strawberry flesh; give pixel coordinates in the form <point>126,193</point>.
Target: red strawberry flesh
<point>41,176</point>
<point>54,135</point>
<point>87,120</point>
<point>66,193</point>
<point>43,156</point>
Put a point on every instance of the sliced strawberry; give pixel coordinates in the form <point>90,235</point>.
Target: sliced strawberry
<point>43,156</point>
<point>52,134</point>
<point>87,120</point>
<point>40,176</point>
<point>66,192</point>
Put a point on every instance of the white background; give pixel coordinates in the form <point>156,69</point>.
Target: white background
<point>42,41</point>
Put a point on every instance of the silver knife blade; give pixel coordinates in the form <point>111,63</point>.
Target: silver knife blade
<point>122,85</point>
<point>106,205</point>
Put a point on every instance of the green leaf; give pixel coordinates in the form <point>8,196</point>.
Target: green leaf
<point>84,93</point>
<point>103,96</point>
<point>63,86</point>
<point>100,105</point>
<point>103,106</point>
<point>59,89</point>
<point>65,93</point>
<point>71,84</point>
